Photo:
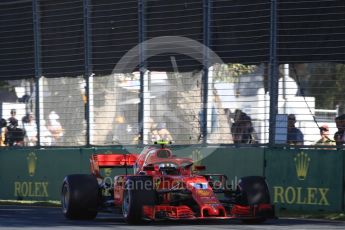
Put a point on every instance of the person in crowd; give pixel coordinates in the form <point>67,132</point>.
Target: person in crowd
<point>325,139</point>
<point>339,136</point>
<point>12,119</point>
<point>3,125</point>
<point>158,131</point>
<point>294,134</point>
<point>163,132</point>
<point>236,127</point>
<point>55,128</point>
<point>242,129</point>
<point>30,128</point>
<point>14,135</point>
<point>248,132</point>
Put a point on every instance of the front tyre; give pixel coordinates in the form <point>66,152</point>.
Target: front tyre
<point>80,197</point>
<point>253,191</point>
<point>138,192</point>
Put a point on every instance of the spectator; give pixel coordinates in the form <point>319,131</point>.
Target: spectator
<point>294,135</point>
<point>55,128</point>
<point>339,136</point>
<point>30,128</point>
<point>3,124</point>
<point>14,136</point>
<point>236,127</point>
<point>163,132</point>
<point>248,132</point>
<point>13,120</point>
<point>158,131</point>
<point>325,139</point>
<point>242,129</point>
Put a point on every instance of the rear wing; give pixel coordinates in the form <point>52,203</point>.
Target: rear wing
<point>114,160</point>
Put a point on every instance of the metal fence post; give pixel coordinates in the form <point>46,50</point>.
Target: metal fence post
<point>273,73</point>
<point>38,67</point>
<point>88,66</point>
<point>142,67</point>
<point>343,181</point>
<point>206,38</point>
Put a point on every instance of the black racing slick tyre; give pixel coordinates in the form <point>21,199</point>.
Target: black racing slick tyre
<point>80,197</point>
<point>138,192</point>
<point>253,190</point>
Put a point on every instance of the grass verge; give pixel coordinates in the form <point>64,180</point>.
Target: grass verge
<point>48,203</point>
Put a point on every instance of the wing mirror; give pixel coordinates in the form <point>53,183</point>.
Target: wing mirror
<point>199,167</point>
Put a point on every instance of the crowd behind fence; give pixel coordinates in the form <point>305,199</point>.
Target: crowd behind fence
<point>211,72</point>
<point>237,112</point>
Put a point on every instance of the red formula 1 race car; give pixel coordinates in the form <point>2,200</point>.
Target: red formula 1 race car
<point>163,186</point>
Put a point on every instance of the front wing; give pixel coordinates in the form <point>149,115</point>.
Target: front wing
<point>184,212</point>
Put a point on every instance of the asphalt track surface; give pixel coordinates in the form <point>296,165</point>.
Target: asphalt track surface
<point>26,217</point>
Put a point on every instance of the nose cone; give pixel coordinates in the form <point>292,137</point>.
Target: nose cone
<point>215,211</point>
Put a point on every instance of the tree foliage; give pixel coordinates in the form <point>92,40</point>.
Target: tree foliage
<point>3,84</point>
<point>231,72</point>
<point>327,84</point>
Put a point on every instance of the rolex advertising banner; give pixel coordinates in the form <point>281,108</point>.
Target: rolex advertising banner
<point>308,180</point>
<point>38,174</point>
<point>299,179</point>
<point>35,174</point>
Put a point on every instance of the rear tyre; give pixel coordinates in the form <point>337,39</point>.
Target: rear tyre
<point>137,193</point>
<point>253,190</point>
<point>80,197</point>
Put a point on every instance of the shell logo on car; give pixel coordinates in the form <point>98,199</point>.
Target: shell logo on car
<point>203,192</point>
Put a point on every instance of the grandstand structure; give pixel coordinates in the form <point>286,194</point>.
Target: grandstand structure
<point>114,71</point>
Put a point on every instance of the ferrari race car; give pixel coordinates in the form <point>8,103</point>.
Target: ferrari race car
<point>163,186</point>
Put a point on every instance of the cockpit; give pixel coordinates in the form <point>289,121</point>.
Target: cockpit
<point>168,168</point>
<point>153,160</point>
<point>163,153</point>
<point>162,161</point>
<point>155,154</point>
